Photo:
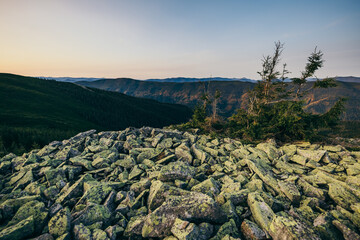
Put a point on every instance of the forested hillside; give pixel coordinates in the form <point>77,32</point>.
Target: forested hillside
<point>34,112</point>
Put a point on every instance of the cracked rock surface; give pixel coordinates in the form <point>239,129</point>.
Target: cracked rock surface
<point>153,183</point>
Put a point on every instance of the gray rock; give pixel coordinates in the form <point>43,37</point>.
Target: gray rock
<point>196,207</point>
<point>176,170</point>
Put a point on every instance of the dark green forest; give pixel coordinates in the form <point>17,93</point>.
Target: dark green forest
<point>34,112</point>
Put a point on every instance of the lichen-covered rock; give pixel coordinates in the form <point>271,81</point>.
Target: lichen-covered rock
<point>341,196</point>
<point>261,212</point>
<point>81,232</point>
<point>75,190</point>
<point>236,197</point>
<point>185,230</point>
<point>196,207</point>
<point>290,191</point>
<point>99,234</point>
<point>315,155</point>
<point>176,170</point>
<point>264,171</point>
<point>324,227</point>
<point>199,153</point>
<point>228,229</point>
<point>91,214</point>
<point>240,153</point>
<point>159,191</point>
<point>206,230</point>
<point>5,166</point>
<point>299,159</point>
<point>163,183</point>
<point>60,223</point>
<point>135,172</point>
<point>209,187</point>
<point>348,234</point>
<point>140,186</point>
<point>10,206</point>
<point>311,191</point>
<point>23,229</point>
<point>35,209</point>
<point>114,232</point>
<point>251,231</point>
<point>288,228</point>
<point>270,149</point>
<point>290,150</point>
<point>183,153</point>
<point>135,226</point>
<point>80,161</point>
<point>95,192</point>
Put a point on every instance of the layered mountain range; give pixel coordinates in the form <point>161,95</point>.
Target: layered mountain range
<point>233,93</point>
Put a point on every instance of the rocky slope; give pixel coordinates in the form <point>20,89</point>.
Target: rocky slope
<point>160,183</point>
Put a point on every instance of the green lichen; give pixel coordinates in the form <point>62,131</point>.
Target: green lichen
<point>60,223</point>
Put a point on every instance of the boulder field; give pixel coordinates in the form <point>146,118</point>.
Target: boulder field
<point>153,183</point>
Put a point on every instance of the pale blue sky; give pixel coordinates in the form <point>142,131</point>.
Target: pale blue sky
<point>168,38</point>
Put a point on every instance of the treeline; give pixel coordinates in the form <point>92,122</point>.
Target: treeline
<point>19,140</point>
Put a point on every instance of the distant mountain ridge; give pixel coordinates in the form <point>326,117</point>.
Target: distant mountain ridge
<point>69,79</point>
<point>186,79</point>
<point>189,79</point>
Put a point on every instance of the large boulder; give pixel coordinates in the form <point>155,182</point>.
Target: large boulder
<point>36,209</point>
<point>60,223</point>
<point>288,228</point>
<point>261,212</point>
<point>21,230</point>
<point>193,207</point>
<point>176,170</point>
<point>91,214</point>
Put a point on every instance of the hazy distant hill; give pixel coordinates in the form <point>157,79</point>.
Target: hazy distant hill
<point>43,110</point>
<point>187,93</point>
<point>69,79</point>
<point>187,79</point>
<point>232,93</point>
<point>183,79</point>
<point>348,79</point>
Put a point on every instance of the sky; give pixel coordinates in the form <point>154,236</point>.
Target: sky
<point>145,39</point>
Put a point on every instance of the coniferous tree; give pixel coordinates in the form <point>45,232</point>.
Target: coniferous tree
<point>275,108</point>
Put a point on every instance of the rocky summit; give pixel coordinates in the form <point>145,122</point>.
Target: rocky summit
<point>166,184</point>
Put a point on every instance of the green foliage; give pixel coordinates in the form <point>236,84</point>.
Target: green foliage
<point>34,111</point>
<point>23,139</point>
<point>266,89</point>
<point>276,110</point>
<point>199,115</point>
<point>325,83</point>
<point>284,121</point>
<point>332,117</point>
<point>315,61</point>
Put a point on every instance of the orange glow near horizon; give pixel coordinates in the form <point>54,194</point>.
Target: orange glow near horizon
<point>159,39</point>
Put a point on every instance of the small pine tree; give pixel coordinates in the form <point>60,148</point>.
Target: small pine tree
<point>276,109</point>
